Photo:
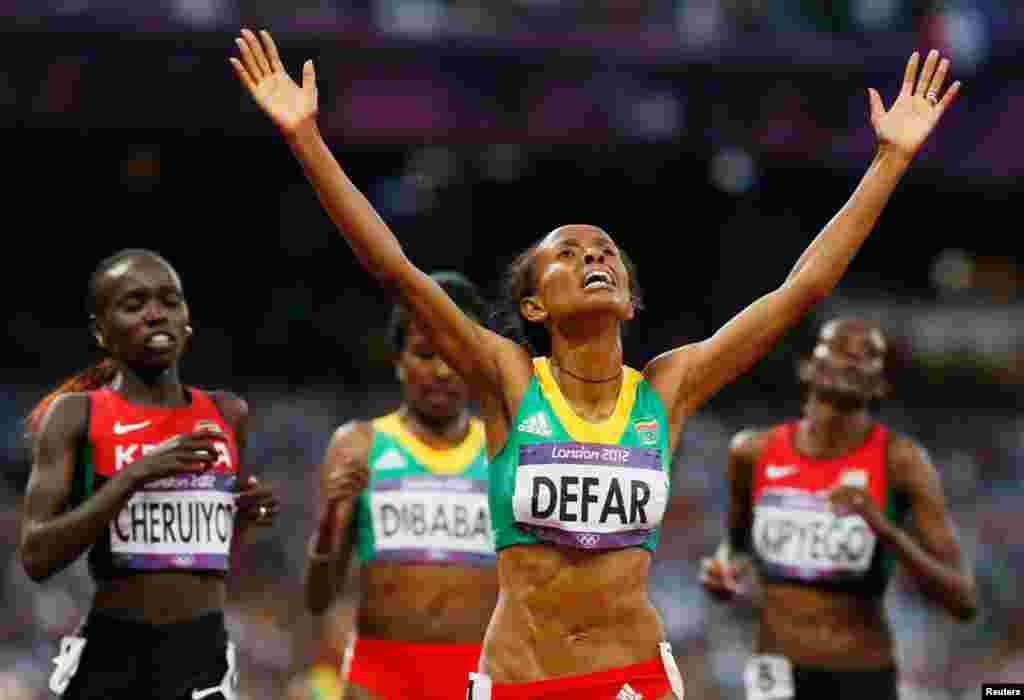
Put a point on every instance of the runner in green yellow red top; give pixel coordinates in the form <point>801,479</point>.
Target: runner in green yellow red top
<point>407,493</point>
<point>422,503</point>
<point>575,620</point>
<point>563,480</point>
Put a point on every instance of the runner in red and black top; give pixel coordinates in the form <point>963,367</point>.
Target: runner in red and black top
<point>819,505</point>
<point>145,474</point>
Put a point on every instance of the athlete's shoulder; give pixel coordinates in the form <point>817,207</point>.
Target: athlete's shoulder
<point>353,433</point>
<point>748,443</point>
<point>231,405</point>
<point>386,422</point>
<point>907,459</point>
<point>65,417</point>
<point>351,439</point>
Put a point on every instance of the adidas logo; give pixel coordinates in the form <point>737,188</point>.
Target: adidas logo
<point>537,424</point>
<point>391,459</point>
<point>627,693</point>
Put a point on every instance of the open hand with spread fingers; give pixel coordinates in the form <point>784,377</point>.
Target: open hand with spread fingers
<point>290,106</point>
<point>917,109</point>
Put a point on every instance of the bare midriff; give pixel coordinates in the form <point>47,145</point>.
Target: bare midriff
<point>564,611</point>
<point>825,628</point>
<point>161,598</point>
<point>433,603</point>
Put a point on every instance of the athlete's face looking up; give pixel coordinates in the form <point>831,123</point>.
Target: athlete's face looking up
<point>848,360</point>
<point>432,388</point>
<point>578,270</point>
<point>141,314</point>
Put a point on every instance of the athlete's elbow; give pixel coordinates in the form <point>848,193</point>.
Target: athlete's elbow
<point>966,609</point>
<point>965,612</point>
<point>809,289</point>
<point>317,604</point>
<point>317,598</point>
<point>387,267</point>
<point>384,276</point>
<point>34,562</point>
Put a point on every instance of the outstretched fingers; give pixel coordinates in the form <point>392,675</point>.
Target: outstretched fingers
<point>876,105</point>
<point>934,88</point>
<point>910,74</point>
<point>271,50</point>
<point>925,79</point>
<point>948,98</point>
<point>243,74</point>
<point>309,80</point>
<point>249,61</point>
<point>256,48</point>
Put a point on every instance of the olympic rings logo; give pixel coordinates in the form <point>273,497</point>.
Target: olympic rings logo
<point>587,540</point>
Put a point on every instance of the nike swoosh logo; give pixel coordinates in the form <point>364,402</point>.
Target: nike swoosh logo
<point>200,694</point>
<point>774,472</point>
<point>120,429</point>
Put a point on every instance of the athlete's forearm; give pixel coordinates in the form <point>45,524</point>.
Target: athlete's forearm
<point>369,237</point>
<point>825,260</point>
<point>942,582</point>
<point>327,560</point>
<point>50,546</point>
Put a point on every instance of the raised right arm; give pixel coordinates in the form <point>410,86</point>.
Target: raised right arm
<point>473,351</point>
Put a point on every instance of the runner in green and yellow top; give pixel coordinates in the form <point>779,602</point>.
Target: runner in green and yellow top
<point>564,480</point>
<point>574,618</point>
<point>408,493</point>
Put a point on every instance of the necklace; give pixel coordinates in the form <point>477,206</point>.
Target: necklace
<point>585,379</point>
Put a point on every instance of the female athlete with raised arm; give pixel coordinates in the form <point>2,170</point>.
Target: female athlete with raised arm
<point>581,445</point>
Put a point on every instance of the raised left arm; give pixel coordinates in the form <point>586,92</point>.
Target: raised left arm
<point>686,377</point>
<point>932,553</point>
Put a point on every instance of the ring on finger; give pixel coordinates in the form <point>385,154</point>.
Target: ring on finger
<point>932,98</point>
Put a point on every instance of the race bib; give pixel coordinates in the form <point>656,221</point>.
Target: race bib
<point>796,535</point>
<point>431,519</point>
<point>590,495</point>
<point>769,677</point>
<point>181,522</point>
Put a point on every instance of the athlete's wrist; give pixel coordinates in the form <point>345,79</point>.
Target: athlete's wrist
<point>129,479</point>
<point>320,551</point>
<point>337,513</point>
<point>887,533</point>
<point>305,140</point>
<point>892,161</point>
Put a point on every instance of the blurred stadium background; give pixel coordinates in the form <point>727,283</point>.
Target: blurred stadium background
<point>712,138</point>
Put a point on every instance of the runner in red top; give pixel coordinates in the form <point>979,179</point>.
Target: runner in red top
<point>144,473</point>
<point>818,505</point>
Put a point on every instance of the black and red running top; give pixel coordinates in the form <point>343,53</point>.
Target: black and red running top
<point>179,522</point>
<point>797,538</point>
